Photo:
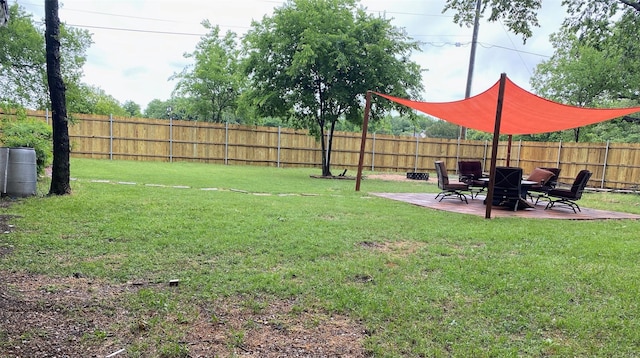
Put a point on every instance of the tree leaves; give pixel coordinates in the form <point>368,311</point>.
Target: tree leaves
<point>313,61</point>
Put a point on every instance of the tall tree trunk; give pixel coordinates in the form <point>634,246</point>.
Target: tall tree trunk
<point>61,150</point>
<point>330,144</point>
<point>326,172</point>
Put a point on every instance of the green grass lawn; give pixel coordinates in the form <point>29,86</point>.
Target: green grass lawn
<point>422,282</point>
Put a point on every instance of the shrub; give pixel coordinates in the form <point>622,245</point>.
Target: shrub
<point>22,131</point>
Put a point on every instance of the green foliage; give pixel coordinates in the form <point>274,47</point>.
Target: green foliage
<point>576,74</point>
<point>517,16</point>
<point>212,84</point>
<point>133,109</point>
<point>588,18</point>
<point>23,64</point>
<point>158,109</point>
<point>602,74</point>
<point>176,108</point>
<point>312,63</point>
<point>94,100</point>
<point>28,132</point>
<point>22,59</point>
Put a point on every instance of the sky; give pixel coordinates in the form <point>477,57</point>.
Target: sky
<point>139,44</point>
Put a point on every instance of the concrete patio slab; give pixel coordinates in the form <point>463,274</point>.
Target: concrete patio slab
<point>477,207</point>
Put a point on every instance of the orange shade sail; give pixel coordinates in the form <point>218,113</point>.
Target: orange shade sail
<point>522,112</point>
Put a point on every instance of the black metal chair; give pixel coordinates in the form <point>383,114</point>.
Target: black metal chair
<point>568,197</point>
<point>507,187</point>
<point>470,172</point>
<point>453,190</point>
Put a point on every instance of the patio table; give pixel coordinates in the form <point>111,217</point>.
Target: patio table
<point>525,184</point>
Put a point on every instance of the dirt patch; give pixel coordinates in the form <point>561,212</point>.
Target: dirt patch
<point>276,330</point>
<point>395,248</point>
<point>77,317</point>
<point>44,317</point>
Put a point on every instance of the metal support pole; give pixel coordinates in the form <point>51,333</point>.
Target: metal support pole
<point>457,154</point>
<point>604,165</point>
<point>110,137</point>
<point>226,143</point>
<point>373,152</point>
<point>170,140</point>
<point>494,148</point>
<point>279,134</point>
<point>415,162</point>
<point>559,150</point>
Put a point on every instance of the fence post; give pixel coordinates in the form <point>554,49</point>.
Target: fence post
<point>519,150</point>
<point>226,142</point>
<point>46,114</point>
<point>279,132</point>
<point>604,165</point>
<point>415,162</point>
<point>373,152</point>
<point>170,139</point>
<point>111,137</point>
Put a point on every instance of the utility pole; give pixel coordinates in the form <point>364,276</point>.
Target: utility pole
<point>472,60</point>
<point>4,13</point>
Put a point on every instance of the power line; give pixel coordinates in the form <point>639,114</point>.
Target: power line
<point>488,45</point>
<point>483,44</point>
<point>138,30</point>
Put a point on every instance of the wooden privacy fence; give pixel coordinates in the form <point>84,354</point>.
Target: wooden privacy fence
<point>614,165</point>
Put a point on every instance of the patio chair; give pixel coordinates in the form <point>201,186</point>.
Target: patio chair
<point>507,187</point>
<point>568,197</point>
<point>449,190</point>
<point>545,179</point>
<point>553,182</point>
<point>470,172</point>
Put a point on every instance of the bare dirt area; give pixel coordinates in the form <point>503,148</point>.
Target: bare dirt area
<point>43,316</point>
<point>77,317</point>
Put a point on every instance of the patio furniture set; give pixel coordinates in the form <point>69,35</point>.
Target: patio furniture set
<point>511,188</point>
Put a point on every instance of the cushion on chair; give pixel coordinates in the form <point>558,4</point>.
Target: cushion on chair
<point>540,176</point>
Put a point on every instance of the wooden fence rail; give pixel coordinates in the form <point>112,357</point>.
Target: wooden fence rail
<point>614,165</point>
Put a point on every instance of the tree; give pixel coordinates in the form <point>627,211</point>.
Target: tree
<point>132,108</point>
<point>61,169</point>
<point>313,61</point>
<point>94,100</point>
<point>576,74</point>
<point>174,108</point>
<point>588,17</point>
<point>21,60</point>
<point>624,44</point>
<point>518,16</point>
<point>601,69</point>
<point>213,82</point>
<point>23,75</point>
